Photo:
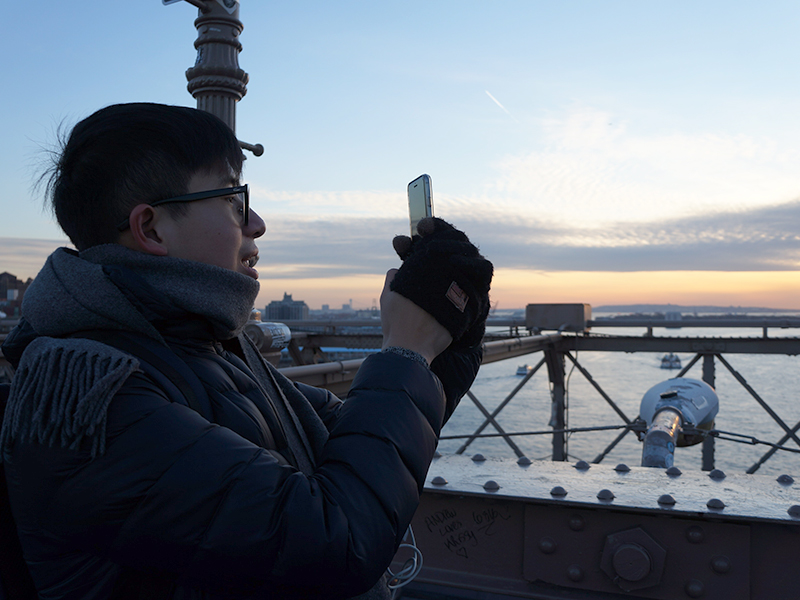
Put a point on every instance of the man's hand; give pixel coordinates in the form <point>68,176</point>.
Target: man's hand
<point>446,275</point>
<point>406,325</point>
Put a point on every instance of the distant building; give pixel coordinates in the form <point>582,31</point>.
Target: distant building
<point>12,290</point>
<point>286,309</point>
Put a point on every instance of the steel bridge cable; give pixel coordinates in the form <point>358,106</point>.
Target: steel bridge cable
<point>716,433</point>
<point>631,427</point>
<point>746,439</point>
<point>772,451</point>
<point>749,439</point>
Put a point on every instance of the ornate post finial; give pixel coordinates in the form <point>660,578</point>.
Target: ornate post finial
<point>215,80</point>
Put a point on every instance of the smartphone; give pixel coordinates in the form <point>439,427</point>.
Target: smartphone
<point>420,200</point>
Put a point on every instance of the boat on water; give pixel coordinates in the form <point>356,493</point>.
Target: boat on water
<point>670,361</point>
<point>523,370</point>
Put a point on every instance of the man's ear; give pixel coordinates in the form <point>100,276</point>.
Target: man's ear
<point>143,234</point>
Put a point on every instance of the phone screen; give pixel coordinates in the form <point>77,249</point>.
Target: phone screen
<point>420,200</point>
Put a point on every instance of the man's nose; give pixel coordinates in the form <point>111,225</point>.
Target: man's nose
<point>255,225</point>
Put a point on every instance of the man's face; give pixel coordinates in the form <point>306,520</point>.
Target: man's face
<point>213,231</point>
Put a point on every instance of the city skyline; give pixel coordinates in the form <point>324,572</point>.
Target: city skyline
<point>621,153</point>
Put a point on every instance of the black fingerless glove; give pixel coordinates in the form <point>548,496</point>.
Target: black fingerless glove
<point>456,368</point>
<point>444,274</point>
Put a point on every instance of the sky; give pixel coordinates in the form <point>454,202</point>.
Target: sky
<point>611,152</point>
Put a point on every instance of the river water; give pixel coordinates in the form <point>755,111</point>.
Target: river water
<point>625,377</point>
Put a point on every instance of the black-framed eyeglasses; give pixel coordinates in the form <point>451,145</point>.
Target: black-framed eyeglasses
<point>239,193</point>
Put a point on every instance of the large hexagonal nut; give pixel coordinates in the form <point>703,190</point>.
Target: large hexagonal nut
<point>633,560</point>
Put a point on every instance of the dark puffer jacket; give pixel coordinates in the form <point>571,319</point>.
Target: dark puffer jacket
<point>205,505</point>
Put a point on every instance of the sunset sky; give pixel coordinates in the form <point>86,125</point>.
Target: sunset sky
<point>600,152</point>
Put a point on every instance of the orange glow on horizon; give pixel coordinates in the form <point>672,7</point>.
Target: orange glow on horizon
<point>517,288</point>
<point>770,289</point>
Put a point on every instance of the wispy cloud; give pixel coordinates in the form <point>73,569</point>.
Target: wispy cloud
<point>595,168</point>
<point>351,203</point>
<point>328,247</point>
<point>297,247</point>
<point>761,239</point>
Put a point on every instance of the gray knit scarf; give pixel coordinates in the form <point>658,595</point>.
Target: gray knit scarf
<point>62,387</point>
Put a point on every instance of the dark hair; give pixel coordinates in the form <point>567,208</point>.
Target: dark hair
<point>129,154</point>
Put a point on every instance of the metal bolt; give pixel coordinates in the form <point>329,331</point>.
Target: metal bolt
<point>577,523</point>
<point>794,511</point>
<point>574,573</point>
<point>786,480</point>
<point>715,504</point>
<point>666,500</point>
<point>717,475</point>
<point>524,461</point>
<point>721,564</point>
<point>439,480</point>
<point>478,458</point>
<point>558,492</point>
<point>622,468</point>
<point>633,559</point>
<point>695,588</point>
<point>605,495</point>
<point>631,562</point>
<point>674,472</point>
<point>547,545</point>
<point>491,486</point>
<point>582,465</point>
<point>695,534</point>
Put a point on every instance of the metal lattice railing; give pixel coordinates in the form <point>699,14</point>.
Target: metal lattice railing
<point>554,357</point>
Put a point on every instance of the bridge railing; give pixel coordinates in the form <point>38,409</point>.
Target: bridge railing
<point>708,352</point>
<point>557,351</point>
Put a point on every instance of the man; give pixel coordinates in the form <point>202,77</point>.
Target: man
<point>150,451</point>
